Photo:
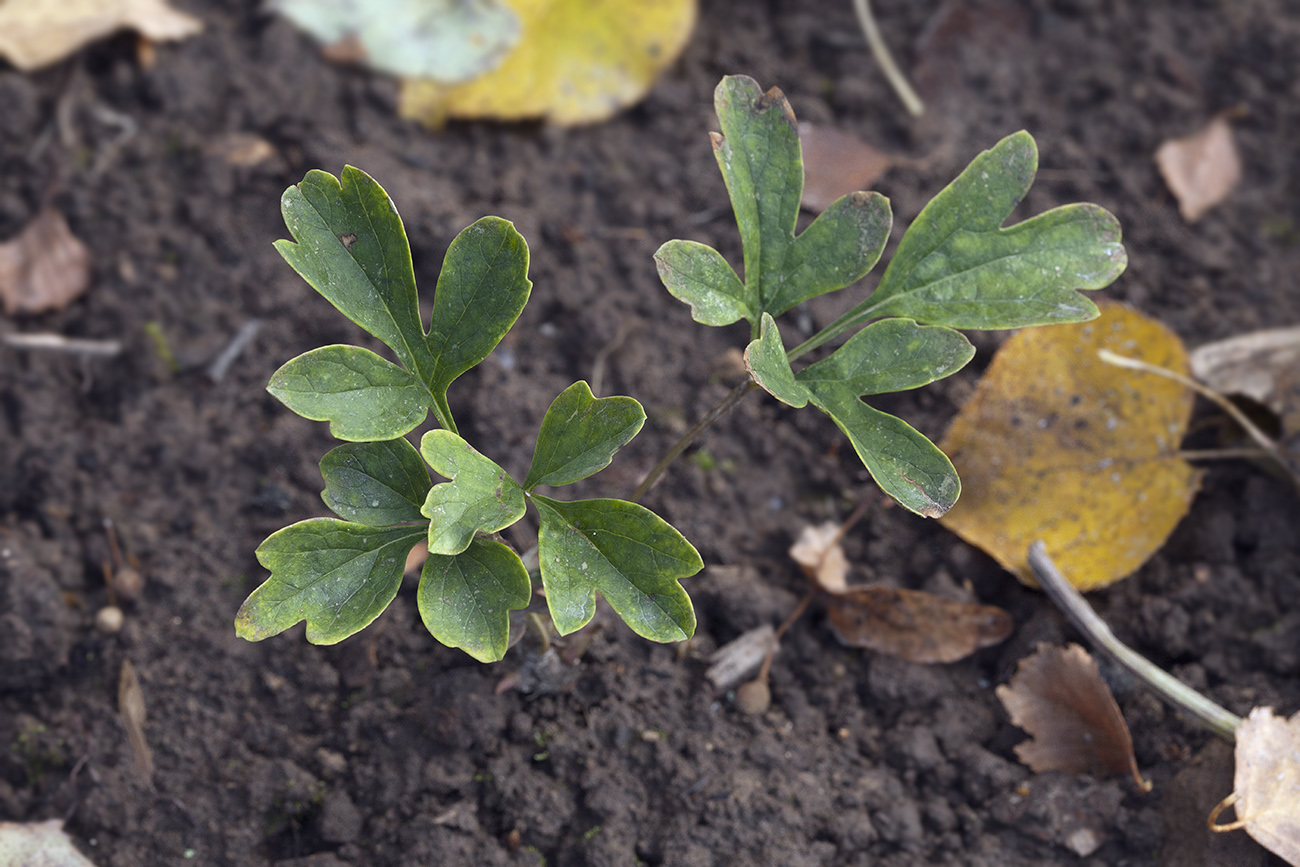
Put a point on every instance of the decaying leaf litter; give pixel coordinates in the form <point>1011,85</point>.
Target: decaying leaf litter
<point>1170,207</point>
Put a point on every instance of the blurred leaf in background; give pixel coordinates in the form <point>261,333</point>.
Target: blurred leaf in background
<point>36,33</point>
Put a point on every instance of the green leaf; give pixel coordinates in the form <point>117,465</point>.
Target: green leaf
<point>956,267</point>
<point>352,249</point>
<point>891,355</point>
<point>335,575</point>
<point>465,600</point>
<point>580,434</point>
<point>482,289</point>
<point>628,553</point>
<point>449,40</point>
<point>378,484</point>
<point>362,396</point>
<point>767,363</point>
<point>697,274</point>
<point>761,163</point>
<point>905,464</point>
<point>480,498</point>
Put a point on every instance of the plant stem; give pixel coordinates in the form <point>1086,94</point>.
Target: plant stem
<point>798,611</point>
<point>691,436</point>
<point>1171,689</point>
<point>897,80</point>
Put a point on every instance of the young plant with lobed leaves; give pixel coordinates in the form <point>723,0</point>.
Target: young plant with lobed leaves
<point>955,267</point>
<point>339,574</point>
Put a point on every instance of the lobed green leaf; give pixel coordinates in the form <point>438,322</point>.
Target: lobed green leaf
<point>363,397</point>
<point>336,575</point>
<point>482,289</point>
<point>625,551</point>
<point>352,248</point>
<point>378,484</point>
<point>697,274</point>
<point>905,464</point>
<point>481,497</point>
<point>465,599</point>
<point>890,355</point>
<point>759,154</point>
<point>956,267</point>
<point>766,360</point>
<point>580,434</point>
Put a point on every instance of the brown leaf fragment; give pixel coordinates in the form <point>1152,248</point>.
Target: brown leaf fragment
<point>44,267</point>
<point>819,552</point>
<point>741,657</point>
<point>913,625</point>
<point>1201,169</point>
<point>130,704</point>
<point>1059,698</point>
<point>35,33</point>
<point>837,163</point>
<point>1266,783</point>
<point>243,149</point>
<point>38,844</point>
<point>1259,365</point>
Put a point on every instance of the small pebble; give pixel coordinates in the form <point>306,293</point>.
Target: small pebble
<point>109,620</point>
<point>128,583</point>
<point>754,697</point>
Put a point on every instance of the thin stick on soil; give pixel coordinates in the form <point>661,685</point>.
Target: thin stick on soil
<point>1171,689</point>
<point>880,51</point>
<point>691,436</point>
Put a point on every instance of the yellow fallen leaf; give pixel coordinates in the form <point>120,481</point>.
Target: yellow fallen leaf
<point>579,61</point>
<point>35,33</point>
<point>1059,446</point>
<point>1266,785</point>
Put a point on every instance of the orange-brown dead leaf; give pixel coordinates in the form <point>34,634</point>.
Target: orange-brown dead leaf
<point>819,552</point>
<point>836,163</point>
<point>916,626</point>
<point>1059,698</point>
<point>1201,169</point>
<point>44,267</point>
<point>1059,446</point>
<point>1266,783</point>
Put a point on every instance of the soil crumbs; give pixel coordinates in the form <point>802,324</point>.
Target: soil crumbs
<point>389,749</point>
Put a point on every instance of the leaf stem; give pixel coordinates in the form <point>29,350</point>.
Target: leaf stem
<point>885,59</point>
<point>1171,689</point>
<point>794,615</point>
<point>856,316</point>
<point>691,436</point>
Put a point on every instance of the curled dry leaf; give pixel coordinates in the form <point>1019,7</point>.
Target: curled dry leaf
<point>1201,169</point>
<point>837,163</point>
<point>1266,783</point>
<point>44,267</point>
<point>1057,445</point>
<point>741,657</point>
<point>1262,365</point>
<point>130,704</point>
<point>34,33</point>
<point>913,625</point>
<point>38,844</point>
<point>1059,698</point>
<point>819,552</point>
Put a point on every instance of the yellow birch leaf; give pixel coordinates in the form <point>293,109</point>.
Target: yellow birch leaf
<point>579,61</point>
<point>1057,445</point>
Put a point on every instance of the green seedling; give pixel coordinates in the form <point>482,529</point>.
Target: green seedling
<point>339,574</point>
<point>955,267</point>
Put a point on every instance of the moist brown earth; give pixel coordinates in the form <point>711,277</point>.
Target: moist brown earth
<point>392,750</point>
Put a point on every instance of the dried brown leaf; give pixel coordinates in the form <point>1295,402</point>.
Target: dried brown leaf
<point>130,704</point>
<point>1261,365</point>
<point>837,163</point>
<point>1266,784</point>
<point>916,626</point>
<point>44,267</point>
<point>243,149</point>
<point>1201,169</point>
<point>1059,698</point>
<point>34,33</point>
<point>819,552</point>
<point>739,658</point>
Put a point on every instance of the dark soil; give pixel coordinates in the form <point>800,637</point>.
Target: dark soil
<point>390,749</point>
